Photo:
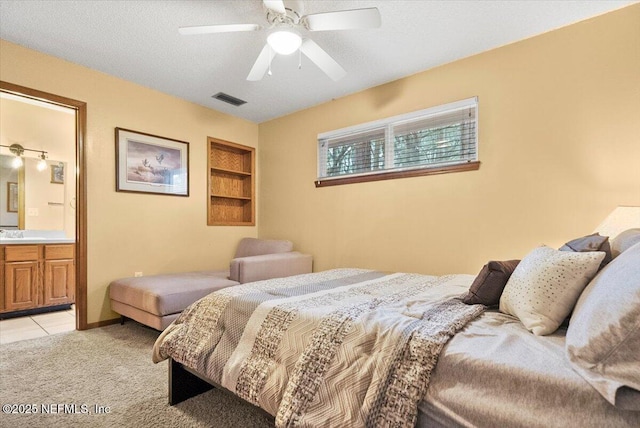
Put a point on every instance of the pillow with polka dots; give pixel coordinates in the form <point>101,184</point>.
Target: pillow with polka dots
<point>546,285</point>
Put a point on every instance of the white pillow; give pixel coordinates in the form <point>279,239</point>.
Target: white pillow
<point>545,286</point>
<point>603,339</point>
<point>624,240</point>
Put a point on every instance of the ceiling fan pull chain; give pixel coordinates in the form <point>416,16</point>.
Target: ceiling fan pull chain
<point>299,59</point>
<point>270,59</point>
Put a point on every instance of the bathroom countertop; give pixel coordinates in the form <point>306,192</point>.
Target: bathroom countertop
<point>35,240</point>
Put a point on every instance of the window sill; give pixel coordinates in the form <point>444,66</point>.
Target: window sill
<point>469,166</point>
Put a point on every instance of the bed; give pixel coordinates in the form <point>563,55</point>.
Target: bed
<point>356,347</point>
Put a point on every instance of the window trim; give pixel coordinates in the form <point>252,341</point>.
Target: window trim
<point>398,172</point>
<point>388,175</point>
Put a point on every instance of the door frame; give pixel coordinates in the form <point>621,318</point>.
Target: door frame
<point>81,188</point>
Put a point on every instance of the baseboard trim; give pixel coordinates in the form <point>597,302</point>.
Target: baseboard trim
<point>102,323</point>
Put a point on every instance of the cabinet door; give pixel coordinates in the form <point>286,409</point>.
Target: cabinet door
<point>59,282</point>
<point>21,285</point>
<point>2,286</point>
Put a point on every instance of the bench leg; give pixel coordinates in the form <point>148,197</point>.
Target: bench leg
<point>122,318</point>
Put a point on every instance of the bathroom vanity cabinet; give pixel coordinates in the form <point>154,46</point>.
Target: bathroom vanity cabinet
<point>36,276</point>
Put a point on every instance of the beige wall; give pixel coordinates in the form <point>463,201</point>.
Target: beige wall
<point>559,141</point>
<point>559,146</point>
<point>136,232</point>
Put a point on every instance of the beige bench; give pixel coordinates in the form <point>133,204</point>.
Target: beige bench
<point>157,300</point>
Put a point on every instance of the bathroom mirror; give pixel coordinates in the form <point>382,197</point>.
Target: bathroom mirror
<point>46,196</point>
<point>44,201</point>
<point>9,204</point>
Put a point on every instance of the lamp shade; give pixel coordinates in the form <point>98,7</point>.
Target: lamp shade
<point>284,42</point>
<point>620,219</point>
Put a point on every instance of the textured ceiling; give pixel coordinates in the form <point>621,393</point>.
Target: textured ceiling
<point>139,41</point>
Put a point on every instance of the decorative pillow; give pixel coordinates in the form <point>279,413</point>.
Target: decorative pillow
<point>624,240</point>
<point>593,242</point>
<point>546,285</point>
<point>488,285</point>
<point>603,339</point>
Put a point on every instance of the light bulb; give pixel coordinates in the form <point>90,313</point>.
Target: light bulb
<point>284,42</point>
<point>42,165</point>
<point>16,162</point>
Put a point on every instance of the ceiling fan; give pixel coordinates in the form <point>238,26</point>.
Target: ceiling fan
<point>285,25</point>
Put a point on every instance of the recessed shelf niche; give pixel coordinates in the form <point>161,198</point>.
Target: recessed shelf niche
<point>231,184</point>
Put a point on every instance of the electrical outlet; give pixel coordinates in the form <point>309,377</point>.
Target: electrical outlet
<point>32,212</point>
<point>137,274</point>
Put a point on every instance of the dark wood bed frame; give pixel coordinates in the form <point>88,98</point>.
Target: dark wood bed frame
<point>185,383</point>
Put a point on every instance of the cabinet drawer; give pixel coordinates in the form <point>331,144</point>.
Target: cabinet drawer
<point>56,252</point>
<point>21,253</point>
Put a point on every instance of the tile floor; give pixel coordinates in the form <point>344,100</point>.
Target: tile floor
<point>30,327</point>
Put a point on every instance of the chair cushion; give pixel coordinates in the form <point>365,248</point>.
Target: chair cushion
<point>167,294</point>
<point>257,247</point>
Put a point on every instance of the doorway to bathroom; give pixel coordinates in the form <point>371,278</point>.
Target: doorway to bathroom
<point>55,208</point>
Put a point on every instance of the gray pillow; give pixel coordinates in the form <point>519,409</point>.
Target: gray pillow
<point>488,285</point>
<point>603,338</point>
<point>593,242</point>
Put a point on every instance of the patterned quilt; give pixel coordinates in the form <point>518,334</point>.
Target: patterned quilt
<point>346,347</point>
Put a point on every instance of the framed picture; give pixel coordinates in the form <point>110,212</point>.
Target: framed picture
<point>148,163</point>
<point>57,173</point>
<point>12,197</point>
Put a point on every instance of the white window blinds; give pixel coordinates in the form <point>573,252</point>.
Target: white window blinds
<point>431,138</point>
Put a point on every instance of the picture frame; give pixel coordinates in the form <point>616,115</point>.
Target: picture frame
<point>12,197</point>
<point>147,163</point>
<point>57,173</point>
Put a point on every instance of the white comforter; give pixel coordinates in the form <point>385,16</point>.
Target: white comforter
<point>495,373</point>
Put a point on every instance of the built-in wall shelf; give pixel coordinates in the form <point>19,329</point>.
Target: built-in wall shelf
<point>222,170</point>
<point>246,198</point>
<point>231,190</point>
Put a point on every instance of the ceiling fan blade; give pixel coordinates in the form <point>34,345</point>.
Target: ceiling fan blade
<point>353,19</point>
<point>275,5</point>
<point>322,59</point>
<point>227,28</point>
<point>261,65</point>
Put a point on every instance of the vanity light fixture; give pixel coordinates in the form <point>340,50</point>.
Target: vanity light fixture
<point>16,162</point>
<point>42,163</point>
<point>18,151</point>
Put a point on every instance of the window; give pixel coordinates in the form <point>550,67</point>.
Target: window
<point>432,141</point>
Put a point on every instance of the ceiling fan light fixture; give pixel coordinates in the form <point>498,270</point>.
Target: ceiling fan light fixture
<point>284,42</point>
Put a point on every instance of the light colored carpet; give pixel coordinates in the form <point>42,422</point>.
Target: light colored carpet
<point>109,366</point>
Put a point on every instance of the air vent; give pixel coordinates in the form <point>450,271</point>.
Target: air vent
<point>228,99</point>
